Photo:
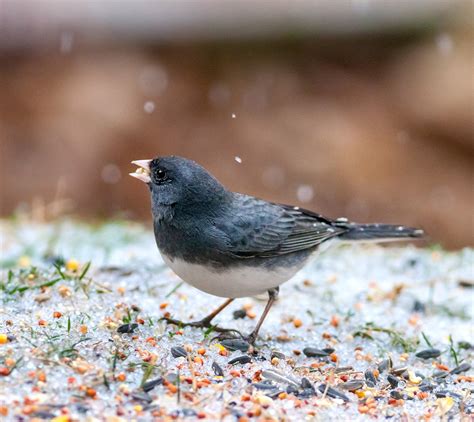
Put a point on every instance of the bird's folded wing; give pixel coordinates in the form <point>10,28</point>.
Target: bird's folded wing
<point>262,229</point>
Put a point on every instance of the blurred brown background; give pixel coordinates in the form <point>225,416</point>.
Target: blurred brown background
<point>360,109</point>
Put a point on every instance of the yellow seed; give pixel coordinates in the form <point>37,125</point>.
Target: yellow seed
<point>138,408</point>
<point>413,378</point>
<point>297,323</point>
<point>220,347</point>
<point>444,405</point>
<point>72,265</point>
<point>62,418</point>
<point>3,339</point>
<point>263,401</point>
<point>64,291</point>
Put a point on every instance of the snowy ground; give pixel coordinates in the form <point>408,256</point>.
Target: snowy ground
<point>64,354</point>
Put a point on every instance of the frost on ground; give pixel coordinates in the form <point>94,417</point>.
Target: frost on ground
<point>81,336</point>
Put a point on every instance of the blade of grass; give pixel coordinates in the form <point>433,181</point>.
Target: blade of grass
<point>84,271</point>
<point>174,289</point>
<point>426,340</point>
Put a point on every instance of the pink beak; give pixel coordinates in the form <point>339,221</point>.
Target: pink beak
<point>143,171</point>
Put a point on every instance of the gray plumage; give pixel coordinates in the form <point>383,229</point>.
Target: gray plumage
<point>196,219</point>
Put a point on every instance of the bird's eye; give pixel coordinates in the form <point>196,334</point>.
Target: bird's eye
<point>161,175</point>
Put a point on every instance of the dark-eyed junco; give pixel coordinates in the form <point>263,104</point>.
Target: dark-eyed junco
<point>233,245</point>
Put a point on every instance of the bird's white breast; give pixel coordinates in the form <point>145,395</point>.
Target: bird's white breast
<point>239,281</point>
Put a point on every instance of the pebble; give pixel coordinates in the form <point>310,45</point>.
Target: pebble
<point>240,359</point>
<point>428,354</point>
<point>332,392</point>
<point>127,328</point>
<point>178,352</point>
<point>235,344</point>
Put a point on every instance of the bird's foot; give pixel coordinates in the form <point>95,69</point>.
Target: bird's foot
<point>236,335</point>
<point>203,323</point>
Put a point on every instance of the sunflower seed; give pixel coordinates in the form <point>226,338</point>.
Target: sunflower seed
<point>179,352</point>
<point>240,359</point>
<point>446,393</point>
<point>428,354</point>
<point>386,364</point>
<point>150,385</point>
<point>306,384</point>
<point>265,385</point>
<point>393,381</point>
<point>217,369</point>
<point>370,378</point>
<point>312,352</point>
<point>276,354</point>
<point>235,344</point>
<point>352,385</point>
<point>332,392</point>
<point>239,314</point>
<point>399,370</point>
<point>464,367</point>
<point>127,328</point>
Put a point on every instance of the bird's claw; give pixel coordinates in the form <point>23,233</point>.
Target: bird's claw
<point>250,339</point>
<point>198,324</point>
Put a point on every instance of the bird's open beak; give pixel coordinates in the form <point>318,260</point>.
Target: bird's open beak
<point>143,171</point>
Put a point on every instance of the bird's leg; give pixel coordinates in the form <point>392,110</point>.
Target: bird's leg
<point>206,321</point>
<point>272,296</point>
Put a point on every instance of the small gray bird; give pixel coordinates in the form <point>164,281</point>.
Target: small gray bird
<point>233,245</point>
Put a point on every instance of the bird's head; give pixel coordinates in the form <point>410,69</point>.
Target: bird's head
<point>178,181</point>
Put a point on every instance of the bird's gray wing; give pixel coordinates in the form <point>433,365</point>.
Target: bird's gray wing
<point>263,229</point>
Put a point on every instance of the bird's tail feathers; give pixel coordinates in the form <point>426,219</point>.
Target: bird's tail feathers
<point>380,232</point>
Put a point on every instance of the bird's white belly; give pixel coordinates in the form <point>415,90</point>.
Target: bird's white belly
<point>235,282</point>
